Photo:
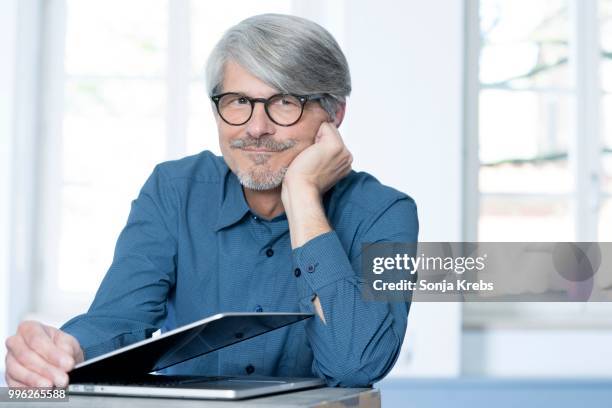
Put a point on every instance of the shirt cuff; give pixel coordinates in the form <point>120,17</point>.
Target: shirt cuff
<point>101,336</point>
<point>320,262</point>
<point>87,339</point>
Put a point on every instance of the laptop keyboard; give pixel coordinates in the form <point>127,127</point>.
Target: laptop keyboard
<point>163,380</point>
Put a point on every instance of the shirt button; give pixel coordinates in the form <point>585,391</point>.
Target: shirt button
<point>255,218</point>
<point>297,272</point>
<point>269,252</point>
<point>310,268</point>
<point>258,309</point>
<point>249,369</point>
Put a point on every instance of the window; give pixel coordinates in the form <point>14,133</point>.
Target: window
<point>124,91</point>
<point>605,220</point>
<point>540,100</point>
<point>543,158</point>
<point>525,104</point>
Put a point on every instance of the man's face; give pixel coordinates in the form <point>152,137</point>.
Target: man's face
<point>260,151</point>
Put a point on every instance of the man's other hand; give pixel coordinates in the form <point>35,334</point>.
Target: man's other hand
<point>323,163</point>
<point>40,356</point>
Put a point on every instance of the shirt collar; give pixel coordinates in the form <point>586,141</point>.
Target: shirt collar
<point>233,205</point>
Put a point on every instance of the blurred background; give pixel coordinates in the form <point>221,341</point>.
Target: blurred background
<point>494,115</point>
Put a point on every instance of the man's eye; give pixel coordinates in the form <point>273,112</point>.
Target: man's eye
<point>286,102</point>
<point>234,100</point>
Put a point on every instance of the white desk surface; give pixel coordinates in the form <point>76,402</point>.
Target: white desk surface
<point>318,397</point>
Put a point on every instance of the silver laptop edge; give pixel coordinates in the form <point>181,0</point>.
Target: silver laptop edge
<point>279,385</point>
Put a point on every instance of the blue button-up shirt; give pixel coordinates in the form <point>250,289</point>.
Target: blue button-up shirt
<point>192,247</point>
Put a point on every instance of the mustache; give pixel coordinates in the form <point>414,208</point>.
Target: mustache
<point>266,143</point>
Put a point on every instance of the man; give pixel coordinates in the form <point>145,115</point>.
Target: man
<point>275,224</point>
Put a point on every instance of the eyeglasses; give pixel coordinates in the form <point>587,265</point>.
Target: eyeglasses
<point>283,109</point>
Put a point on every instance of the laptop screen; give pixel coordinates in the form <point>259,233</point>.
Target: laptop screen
<point>181,344</point>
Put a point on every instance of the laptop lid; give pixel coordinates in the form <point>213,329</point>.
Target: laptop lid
<point>181,344</point>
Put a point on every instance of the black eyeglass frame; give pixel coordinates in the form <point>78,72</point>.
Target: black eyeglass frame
<point>302,98</point>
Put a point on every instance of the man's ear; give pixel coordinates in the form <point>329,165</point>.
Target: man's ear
<point>340,114</point>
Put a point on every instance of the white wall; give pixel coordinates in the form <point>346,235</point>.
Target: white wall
<point>8,17</point>
<point>19,126</point>
<point>412,52</point>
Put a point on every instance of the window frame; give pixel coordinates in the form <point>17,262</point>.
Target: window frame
<point>50,302</point>
<point>584,151</point>
<point>584,157</point>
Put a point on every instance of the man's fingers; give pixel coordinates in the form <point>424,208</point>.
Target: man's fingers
<point>325,129</point>
<point>68,343</point>
<point>20,374</point>
<point>34,362</point>
<point>37,339</point>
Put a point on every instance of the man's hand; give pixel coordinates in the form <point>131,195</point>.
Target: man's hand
<point>322,164</point>
<point>314,171</point>
<point>40,356</point>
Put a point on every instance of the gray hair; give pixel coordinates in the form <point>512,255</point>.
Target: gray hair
<point>289,53</point>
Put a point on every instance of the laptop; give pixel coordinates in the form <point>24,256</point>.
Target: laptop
<point>134,370</point>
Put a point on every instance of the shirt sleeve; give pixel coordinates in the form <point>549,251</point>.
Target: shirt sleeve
<point>130,303</point>
<point>361,339</point>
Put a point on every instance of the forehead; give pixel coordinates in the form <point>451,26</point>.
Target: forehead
<point>238,79</point>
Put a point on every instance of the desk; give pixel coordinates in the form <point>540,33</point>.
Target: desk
<point>318,397</point>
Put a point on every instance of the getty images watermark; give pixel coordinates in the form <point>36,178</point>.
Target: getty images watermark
<point>487,271</point>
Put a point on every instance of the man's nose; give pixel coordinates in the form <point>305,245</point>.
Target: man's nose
<point>259,124</point>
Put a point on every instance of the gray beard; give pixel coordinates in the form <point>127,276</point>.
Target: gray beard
<point>262,179</point>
